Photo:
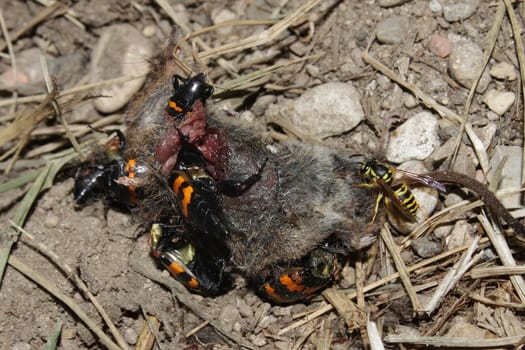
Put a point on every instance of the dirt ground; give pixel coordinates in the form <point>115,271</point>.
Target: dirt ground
<point>109,250</point>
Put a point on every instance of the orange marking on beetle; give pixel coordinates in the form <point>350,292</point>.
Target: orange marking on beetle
<point>173,105</point>
<point>177,183</point>
<point>271,293</point>
<point>130,169</point>
<point>290,284</point>
<point>175,269</point>
<point>186,200</point>
<point>193,283</point>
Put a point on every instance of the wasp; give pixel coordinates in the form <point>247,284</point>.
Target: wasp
<point>381,176</point>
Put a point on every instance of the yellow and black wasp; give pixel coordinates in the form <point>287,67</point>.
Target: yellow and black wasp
<point>381,176</point>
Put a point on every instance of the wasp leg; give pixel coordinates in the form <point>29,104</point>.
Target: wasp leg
<point>376,208</point>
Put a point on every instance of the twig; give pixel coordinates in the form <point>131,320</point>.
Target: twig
<point>451,310</point>
<point>263,37</point>
<point>52,86</point>
<point>196,329</point>
<point>502,248</point>
<point>401,267</point>
<point>520,52</point>
<point>454,275</point>
<point>487,301</point>
<point>175,17</point>
<point>494,271</point>
<point>149,332</point>
<point>359,286</point>
<point>74,90</point>
<point>454,343</point>
<point>51,146</point>
<point>373,335</point>
<point>12,56</point>
<point>492,36</point>
<point>40,17</point>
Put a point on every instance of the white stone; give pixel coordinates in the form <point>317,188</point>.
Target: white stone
<point>510,174</point>
<point>459,10</point>
<point>328,109</point>
<point>435,6</point>
<point>503,71</point>
<point>121,50</point>
<point>414,139</point>
<point>486,134</point>
<point>461,234</point>
<point>463,62</point>
<point>499,101</point>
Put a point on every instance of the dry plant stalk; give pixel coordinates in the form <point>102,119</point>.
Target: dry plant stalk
<point>25,122</point>
<point>454,275</point>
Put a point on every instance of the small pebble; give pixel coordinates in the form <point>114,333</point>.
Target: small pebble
<point>499,101</point>
<point>266,321</point>
<point>503,71</point>
<point>121,50</point>
<point>463,328</point>
<point>464,60</point>
<point>245,310</point>
<point>383,82</point>
<point>348,277</point>
<point>491,116</point>
<point>435,6</point>
<point>130,336</point>
<point>426,248</point>
<point>299,48</point>
<point>511,173</point>
<point>51,221</point>
<point>410,101</point>
<point>228,316</point>
<point>416,138</point>
<point>149,31</point>
<point>462,234</point>
<point>327,110</point>
<point>29,78</point>
<point>443,230</point>
<point>258,340</point>
<point>486,134</point>
<point>440,45</point>
<point>392,30</point>
<point>459,10</point>
<point>237,327</point>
